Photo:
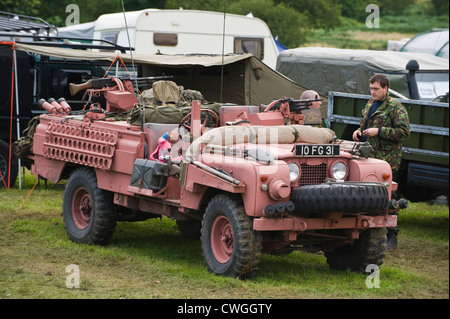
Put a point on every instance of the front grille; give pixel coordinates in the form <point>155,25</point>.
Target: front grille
<point>312,174</point>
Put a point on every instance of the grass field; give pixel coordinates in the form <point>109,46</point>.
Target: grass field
<point>151,260</point>
<point>355,35</point>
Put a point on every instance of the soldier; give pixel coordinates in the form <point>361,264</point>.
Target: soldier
<point>311,95</point>
<point>385,125</point>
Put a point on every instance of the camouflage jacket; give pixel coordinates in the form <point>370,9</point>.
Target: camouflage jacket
<point>392,118</point>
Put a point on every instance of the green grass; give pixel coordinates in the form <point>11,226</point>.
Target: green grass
<point>151,260</point>
<point>355,35</point>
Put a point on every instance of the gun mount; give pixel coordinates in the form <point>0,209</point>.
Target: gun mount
<point>291,109</point>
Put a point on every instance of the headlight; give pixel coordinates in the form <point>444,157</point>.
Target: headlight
<point>338,171</point>
<point>294,171</point>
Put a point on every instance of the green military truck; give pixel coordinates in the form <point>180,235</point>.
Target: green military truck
<point>424,169</point>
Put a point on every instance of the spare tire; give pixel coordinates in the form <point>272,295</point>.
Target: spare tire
<point>341,197</point>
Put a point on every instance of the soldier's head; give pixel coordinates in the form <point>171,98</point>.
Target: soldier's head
<point>379,86</point>
<point>311,95</point>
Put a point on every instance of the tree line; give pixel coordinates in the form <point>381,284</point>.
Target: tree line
<point>290,20</point>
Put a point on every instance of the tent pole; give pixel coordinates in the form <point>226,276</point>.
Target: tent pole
<point>223,50</point>
<point>17,112</point>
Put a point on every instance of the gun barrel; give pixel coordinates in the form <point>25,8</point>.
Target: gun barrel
<point>148,81</point>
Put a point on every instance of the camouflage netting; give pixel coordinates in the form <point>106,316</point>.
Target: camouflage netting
<point>24,146</point>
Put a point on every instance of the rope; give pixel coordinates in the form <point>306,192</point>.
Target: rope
<point>29,193</point>
<point>3,180</point>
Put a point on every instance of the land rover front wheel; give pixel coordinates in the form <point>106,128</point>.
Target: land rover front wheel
<point>370,248</point>
<point>88,212</point>
<point>230,246</point>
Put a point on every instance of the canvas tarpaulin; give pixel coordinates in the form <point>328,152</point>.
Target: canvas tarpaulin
<point>239,79</point>
<point>344,70</point>
<point>157,59</point>
<point>246,80</point>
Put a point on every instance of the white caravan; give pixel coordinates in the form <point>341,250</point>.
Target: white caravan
<point>188,32</point>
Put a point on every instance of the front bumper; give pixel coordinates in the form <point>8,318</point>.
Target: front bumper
<point>300,224</point>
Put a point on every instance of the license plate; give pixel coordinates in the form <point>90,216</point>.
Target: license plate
<point>317,150</point>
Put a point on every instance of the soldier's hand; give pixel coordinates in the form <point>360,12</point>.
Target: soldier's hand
<point>373,131</point>
<point>356,135</point>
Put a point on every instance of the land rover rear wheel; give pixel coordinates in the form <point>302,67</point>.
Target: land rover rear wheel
<point>89,214</point>
<point>8,170</point>
<point>230,246</point>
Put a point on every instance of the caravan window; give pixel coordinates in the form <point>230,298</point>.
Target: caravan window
<point>167,39</point>
<point>112,37</point>
<point>250,45</point>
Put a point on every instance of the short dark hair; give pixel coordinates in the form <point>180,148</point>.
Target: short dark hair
<point>380,78</point>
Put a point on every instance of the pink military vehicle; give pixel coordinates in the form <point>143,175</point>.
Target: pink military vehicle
<point>244,181</point>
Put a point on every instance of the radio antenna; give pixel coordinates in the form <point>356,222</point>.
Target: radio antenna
<point>223,49</point>
<point>132,63</point>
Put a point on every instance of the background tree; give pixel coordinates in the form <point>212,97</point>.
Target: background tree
<point>394,6</point>
<point>25,7</point>
<point>283,21</point>
<point>440,7</point>
<point>321,14</point>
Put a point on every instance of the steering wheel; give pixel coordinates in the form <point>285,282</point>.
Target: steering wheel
<point>209,119</point>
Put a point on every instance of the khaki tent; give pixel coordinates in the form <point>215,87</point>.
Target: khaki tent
<point>246,80</point>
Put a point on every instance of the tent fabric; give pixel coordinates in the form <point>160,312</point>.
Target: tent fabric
<point>246,80</point>
<point>83,30</point>
<point>345,70</point>
<point>180,60</point>
<point>431,42</point>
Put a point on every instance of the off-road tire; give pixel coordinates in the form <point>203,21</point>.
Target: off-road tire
<point>341,197</point>
<point>95,224</point>
<point>370,248</point>
<point>5,168</point>
<point>244,252</point>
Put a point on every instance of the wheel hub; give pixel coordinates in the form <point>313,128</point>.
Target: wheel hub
<point>222,239</point>
<point>81,208</point>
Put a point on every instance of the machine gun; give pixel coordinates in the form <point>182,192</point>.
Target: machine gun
<point>111,82</point>
<point>294,105</point>
<point>291,109</point>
